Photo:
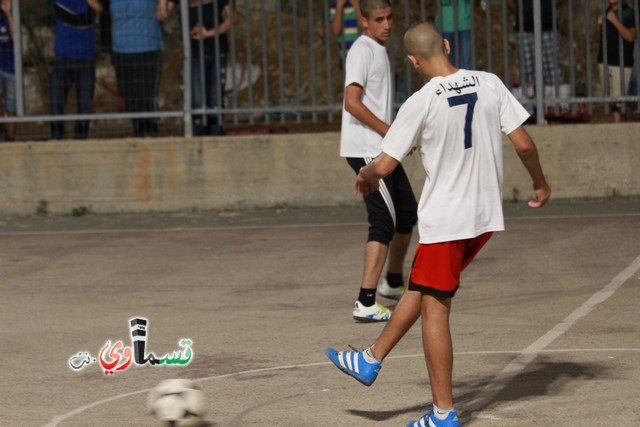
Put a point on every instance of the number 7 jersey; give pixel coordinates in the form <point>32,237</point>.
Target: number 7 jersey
<point>456,122</point>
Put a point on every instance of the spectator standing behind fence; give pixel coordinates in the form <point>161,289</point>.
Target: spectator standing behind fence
<point>457,17</point>
<point>7,69</point>
<point>75,61</point>
<point>137,58</point>
<point>552,74</point>
<point>617,29</point>
<point>209,22</point>
<point>344,16</point>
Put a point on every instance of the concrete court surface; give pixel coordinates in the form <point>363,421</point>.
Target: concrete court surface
<point>546,324</point>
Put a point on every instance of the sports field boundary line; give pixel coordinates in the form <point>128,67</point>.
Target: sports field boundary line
<point>527,355</point>
<point>278,226</point>
<point>57,419</point>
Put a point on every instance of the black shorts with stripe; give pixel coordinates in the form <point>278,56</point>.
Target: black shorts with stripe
<point>391,209</point>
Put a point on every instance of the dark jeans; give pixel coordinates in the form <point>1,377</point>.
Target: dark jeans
<point>66,73</point>
<point>214,81</point>
<point>138,76</point>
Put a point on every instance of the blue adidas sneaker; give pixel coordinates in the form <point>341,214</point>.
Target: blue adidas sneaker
<point>352,363</point>
<point>430,420</point>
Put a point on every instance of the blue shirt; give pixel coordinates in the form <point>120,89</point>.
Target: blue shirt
<point>7,63</point>
<point>75,29</point>
<point>135,28</point>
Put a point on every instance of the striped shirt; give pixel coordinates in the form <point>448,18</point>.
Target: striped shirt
<point>350,31</point>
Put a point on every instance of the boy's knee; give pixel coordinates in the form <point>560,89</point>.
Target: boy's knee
<point>381,234</point>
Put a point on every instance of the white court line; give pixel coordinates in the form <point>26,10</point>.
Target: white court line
<point>527,355</point>
<point>277,226</point>
<point>57,419</point>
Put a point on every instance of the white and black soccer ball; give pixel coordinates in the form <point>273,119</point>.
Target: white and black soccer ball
<point>178,403</point>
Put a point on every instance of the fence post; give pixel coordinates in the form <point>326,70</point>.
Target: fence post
<point>537,31</point>
<point>17,52</point>
<point>186,68</point>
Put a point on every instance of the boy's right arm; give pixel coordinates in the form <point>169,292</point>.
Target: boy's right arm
<point>528,153</point>
<point>336,23</point>
<point>627,33</point>
<point>354,105</point>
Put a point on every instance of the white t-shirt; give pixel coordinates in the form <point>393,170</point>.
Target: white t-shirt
<point>368,66</point>
<point>456,123</point>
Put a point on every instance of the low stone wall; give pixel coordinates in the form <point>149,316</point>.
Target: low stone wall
<point>136,175</point>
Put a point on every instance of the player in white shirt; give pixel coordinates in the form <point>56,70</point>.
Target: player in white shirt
<point>456,121</point>
<point>366,115</point>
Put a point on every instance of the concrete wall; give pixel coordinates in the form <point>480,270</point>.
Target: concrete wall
<point>128,175</point>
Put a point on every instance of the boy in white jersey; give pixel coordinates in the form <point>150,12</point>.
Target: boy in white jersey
<point>366,117</point>
<point>455,121</point>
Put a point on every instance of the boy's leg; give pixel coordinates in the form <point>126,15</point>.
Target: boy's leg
<point>438,348</point>
<point>381,230</point>
<point>397,252</point>
<point>404,316</point>
<point>85,87</point>
<point>365,365</point>
<point>406,208</point>
<point>59,86</point>
<point>9,105</point>
<point>375,254</point>
<point>366,308</point>
<point>197,95</point>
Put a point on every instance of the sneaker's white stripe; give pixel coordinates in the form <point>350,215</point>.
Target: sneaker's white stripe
<point>431,423</point>
<point>341,359</point>
<point>349,362</point>
<point>356,362</point>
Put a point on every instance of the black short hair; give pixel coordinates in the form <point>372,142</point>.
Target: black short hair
<point>367,6</point>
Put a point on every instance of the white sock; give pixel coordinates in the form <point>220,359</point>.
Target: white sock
<point>441,414</point>
<point>368,356</point>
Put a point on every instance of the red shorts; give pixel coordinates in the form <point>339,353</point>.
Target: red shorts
<point>437,266</point>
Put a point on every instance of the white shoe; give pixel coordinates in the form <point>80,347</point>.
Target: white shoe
<point>387,291</point>
<point>376,313</point>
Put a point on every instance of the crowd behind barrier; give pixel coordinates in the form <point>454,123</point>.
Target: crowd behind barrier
<point>111,68</point>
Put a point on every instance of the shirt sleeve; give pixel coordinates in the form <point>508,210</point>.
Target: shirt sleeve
<point>512,113</point>
<point>359,60</point>
<point>406,130</point>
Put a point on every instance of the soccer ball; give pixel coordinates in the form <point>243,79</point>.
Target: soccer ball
<point>177,403</point>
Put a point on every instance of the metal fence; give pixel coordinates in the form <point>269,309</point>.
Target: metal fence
<point>279,64</point>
